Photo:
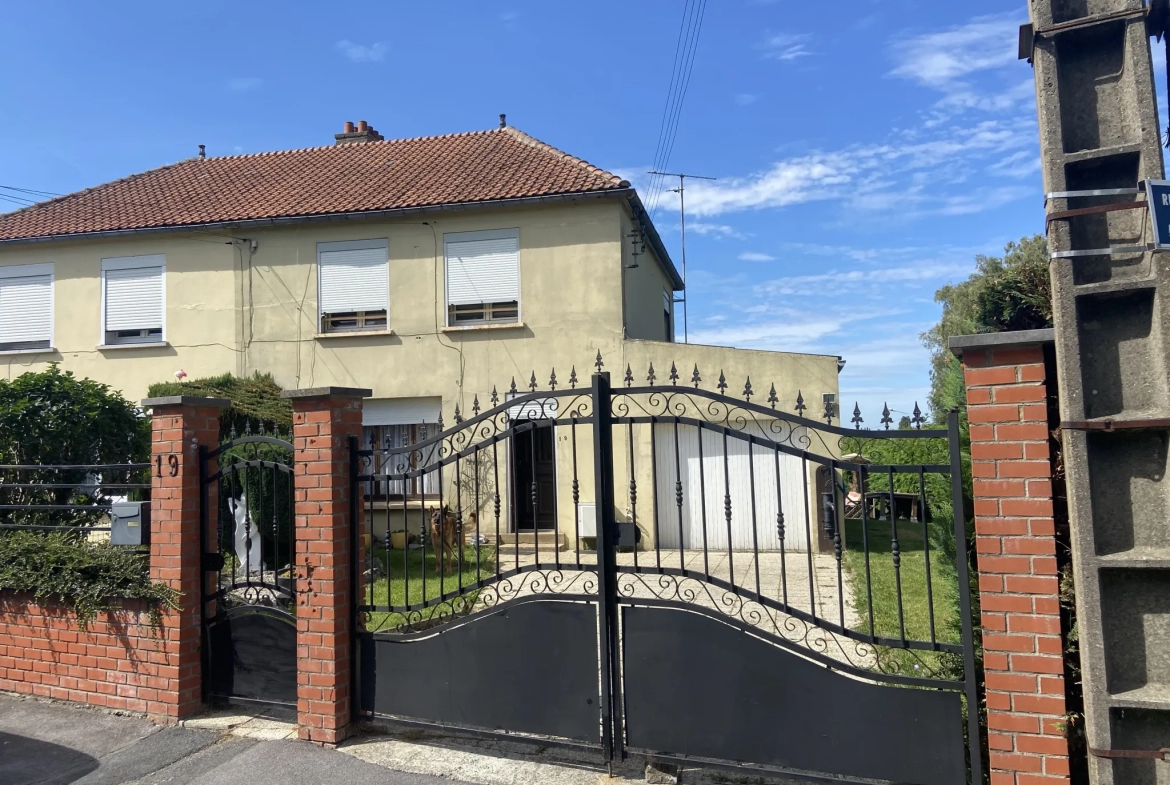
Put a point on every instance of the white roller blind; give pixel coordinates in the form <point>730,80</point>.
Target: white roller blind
<point>134,295</point>
<point>483,267</point>
<point>353,276</point>
<point>400,411</point>
<point>26,307</point>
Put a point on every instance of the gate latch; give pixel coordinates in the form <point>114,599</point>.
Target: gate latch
<point>213,562</point>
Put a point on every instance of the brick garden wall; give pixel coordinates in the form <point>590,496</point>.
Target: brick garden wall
<point>118,662</point>
<point>1016,550</point>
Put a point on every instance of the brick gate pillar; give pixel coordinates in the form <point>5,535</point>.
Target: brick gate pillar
<point>1015,537</point>
<point>179,426</point>
<point>324,419</point>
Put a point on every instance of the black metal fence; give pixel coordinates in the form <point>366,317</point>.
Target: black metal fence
<point>75,497</point>
<point>846,546</point>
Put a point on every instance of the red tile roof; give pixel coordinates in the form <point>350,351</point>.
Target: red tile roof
<point>459,168</point>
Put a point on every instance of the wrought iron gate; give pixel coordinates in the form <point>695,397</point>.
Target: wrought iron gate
<point>730,605</point>
<point>249,631</point>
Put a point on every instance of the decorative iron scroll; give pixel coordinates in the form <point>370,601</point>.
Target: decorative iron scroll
<point>822,643</point>
<point>529,583</point>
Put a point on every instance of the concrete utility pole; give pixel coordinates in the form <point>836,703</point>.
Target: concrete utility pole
<point>682,216</point>
<point>1099,140</point>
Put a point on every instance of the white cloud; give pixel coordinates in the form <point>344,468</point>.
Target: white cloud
<point>743,99</point>
<point>717,231</point>
<point>949,62</point>
<point>360,53</point>
<point>244,84</point>
<point>754,256</point>
<point>883,177</point>
<point>786,47</point>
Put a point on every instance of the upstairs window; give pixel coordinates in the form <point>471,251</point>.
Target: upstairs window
<point>133,300</point>
<point>483,277</point>
<point>391,427</point>
<point>26,307</point>
<point>353,285</point>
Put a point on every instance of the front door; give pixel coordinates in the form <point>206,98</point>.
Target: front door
<point>534,473</point>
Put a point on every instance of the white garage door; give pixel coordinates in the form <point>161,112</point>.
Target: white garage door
<point>705,487</point>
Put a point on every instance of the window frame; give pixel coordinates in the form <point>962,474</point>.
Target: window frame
<point>485,234</point>
<point>36,271</point>
<point>133,263</point>
<point>368,243</point>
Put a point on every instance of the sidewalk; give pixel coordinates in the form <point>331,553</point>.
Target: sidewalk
<point>52,743</point>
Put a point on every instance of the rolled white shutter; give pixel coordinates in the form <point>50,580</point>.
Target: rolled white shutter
<point>353,276</point>
<point>483,270</point>
<point>26,308</point>
<point>400,411</point>
<point>134,298</point>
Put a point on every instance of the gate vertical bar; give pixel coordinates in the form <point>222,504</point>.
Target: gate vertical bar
<point>204,550</point>
<point>962,561</point>
<point>603,489</point>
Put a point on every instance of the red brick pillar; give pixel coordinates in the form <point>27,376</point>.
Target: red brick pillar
<point>1016,543</point>
<point>179,425</point>
<point>324,420</point>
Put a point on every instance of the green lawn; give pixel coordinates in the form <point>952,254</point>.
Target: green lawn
<point>418,580</point>
<point>883,579</point>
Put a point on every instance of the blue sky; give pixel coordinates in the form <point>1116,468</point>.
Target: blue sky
<point>864,155</point>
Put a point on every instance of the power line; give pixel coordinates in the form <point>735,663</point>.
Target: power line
<point>682,215</point>
<point>685,51</point>
<point>28,190</point>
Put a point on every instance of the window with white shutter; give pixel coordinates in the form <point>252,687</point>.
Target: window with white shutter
<point>353,288</point>
<point>133,299</point>
<point>483,277</point>
<point>26,307</point>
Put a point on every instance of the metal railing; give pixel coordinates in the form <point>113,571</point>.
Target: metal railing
<point>66,496</point>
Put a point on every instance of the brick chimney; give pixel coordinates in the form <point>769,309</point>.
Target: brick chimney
<point>362,133</point>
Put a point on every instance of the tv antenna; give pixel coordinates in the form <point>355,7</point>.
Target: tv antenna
<point>682,215</point>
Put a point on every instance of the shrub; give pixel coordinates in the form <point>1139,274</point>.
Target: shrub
<point>87,577</point>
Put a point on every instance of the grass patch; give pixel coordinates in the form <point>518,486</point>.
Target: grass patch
<point>416,580</point>
<point>915,605</point>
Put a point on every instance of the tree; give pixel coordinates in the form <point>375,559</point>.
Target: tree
<point>1005,293</point>
<point>52,418</point>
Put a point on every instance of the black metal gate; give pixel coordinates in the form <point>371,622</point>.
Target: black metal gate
<point>723,608</point>
<point>249,630</point>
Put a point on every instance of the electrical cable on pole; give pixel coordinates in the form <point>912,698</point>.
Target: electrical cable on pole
<point>682,216</point>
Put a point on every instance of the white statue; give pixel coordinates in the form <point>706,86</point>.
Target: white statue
<point>248,558</point>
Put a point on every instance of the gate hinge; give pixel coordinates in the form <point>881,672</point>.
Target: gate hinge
<point>213,562</point>
<point>1162,754</point>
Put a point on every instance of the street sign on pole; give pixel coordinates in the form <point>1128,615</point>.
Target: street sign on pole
<point>1158,197</point>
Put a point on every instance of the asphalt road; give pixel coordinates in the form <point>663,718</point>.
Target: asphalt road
<point>54,744</point>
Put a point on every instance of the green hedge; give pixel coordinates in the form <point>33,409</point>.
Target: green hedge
<point>86,577</point>
<point>254,400</point>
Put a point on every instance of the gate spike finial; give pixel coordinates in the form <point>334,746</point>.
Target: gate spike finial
<point>800,407</point>
<point>458,416</point>
<point>629,377</point>
<point>673,374</point>
<point>532,382</point>
<point>917,419</point>
<point>440,420</point>
<point>232,433</point>
<point>599,364</point>
<point>857,418</point>
<point>886,418</point>
<point>747,390</point>
<point>495,397</point>
<point>248,427</point>
<point>650,376</point>
<point>772,399</point>
<point>830,410</point>
<point>512,391</point>
<point>573,378</point>
<point>552,380</point>
<point>475,405</point>
<point>695,378</point>
<point>722,383</point>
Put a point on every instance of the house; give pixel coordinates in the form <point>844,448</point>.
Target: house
<point>429,270</point>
